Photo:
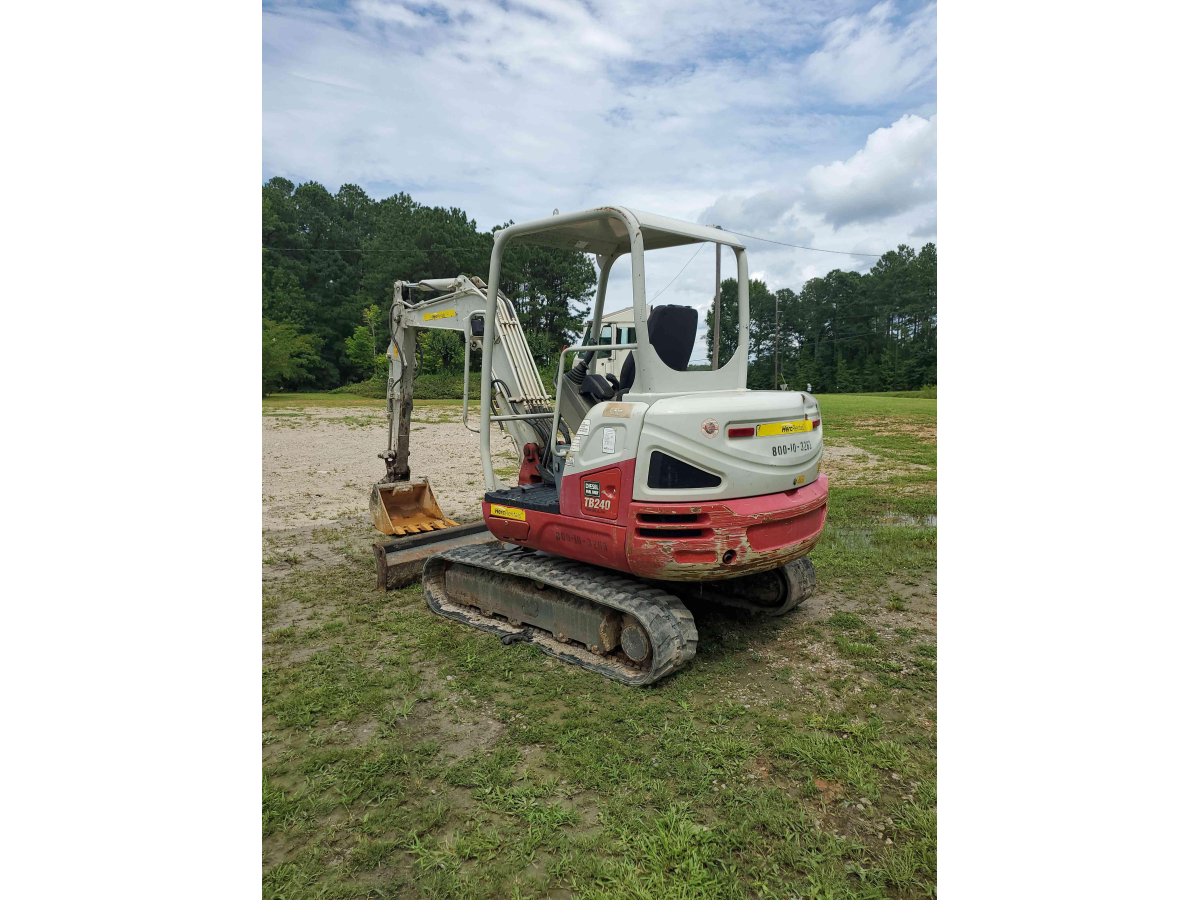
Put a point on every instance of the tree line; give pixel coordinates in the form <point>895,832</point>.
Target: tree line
<point>844,332</point>
<point>330,260</point>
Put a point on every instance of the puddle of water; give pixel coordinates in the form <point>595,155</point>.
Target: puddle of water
<point>908,521</point>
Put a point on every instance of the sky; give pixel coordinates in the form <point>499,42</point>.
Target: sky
<point>811,123</point>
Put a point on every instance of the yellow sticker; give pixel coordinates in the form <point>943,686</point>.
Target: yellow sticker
<point>799,479</point>
<point>508,512</point>
<point>444,314</point>
<point>784,428</point>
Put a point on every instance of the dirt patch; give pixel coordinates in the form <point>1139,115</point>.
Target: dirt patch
<point>318,469</point>
<point>301,654</point>
<point>925,432</point>
<point>275,850</point>
<point>916,606</point>
<point>811,659</point>
<point>290,614</point>
<point>830,790</point>
<point>847,464</point>
<point>355,733</point>
<point>273,750</point>
<point>461,739</point>
<point>318,466</point>
<point>459,731</point>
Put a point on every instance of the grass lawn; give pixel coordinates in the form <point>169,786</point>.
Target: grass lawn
<point>405,755</point>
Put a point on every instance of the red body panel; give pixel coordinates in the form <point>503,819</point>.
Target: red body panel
<point>587,540</point>
<point>706,541</point>
<point>570,495</point>
<point>726,538</point>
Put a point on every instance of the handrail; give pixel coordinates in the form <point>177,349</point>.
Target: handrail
<point>558,385</point>
<point>467,376</point>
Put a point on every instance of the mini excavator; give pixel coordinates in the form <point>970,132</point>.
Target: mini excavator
<point>635,493</point>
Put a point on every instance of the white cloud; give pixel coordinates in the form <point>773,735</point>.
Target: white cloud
<point>895,172</point>
<point>676,107</point>
<point>390,12</point>
<point>927,229</point>
<point>760,213</point>
<point>868,58</point>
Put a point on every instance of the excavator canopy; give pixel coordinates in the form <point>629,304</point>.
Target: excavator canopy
<point>610,237</point>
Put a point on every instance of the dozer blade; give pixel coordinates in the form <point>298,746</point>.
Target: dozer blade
<point>407,507</point>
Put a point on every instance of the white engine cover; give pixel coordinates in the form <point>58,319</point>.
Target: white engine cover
<point>695,429</point>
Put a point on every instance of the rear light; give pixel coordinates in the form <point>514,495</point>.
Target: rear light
<point>742,432</point>
<point>816,424</point>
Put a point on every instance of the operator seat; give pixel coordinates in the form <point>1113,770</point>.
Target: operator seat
<point>672,333</point>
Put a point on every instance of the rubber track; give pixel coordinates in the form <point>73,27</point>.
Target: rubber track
<point>667,621</point>
<point>801,578</point>
<point>802,584</point>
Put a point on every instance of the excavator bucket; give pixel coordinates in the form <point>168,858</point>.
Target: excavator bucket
<point>407,507</point>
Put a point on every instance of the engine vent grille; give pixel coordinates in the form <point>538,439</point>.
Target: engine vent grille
<point>674,532</point>
<point>669,473</point>
<point>672,518</point>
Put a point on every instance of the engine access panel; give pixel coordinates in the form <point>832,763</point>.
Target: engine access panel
<point>600,493</point>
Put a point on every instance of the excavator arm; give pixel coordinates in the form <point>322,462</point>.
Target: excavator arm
<point>519,403</point>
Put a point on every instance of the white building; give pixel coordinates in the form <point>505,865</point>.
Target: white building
<point>616,328</point>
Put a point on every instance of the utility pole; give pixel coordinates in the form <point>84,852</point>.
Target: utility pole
<point>717,313</point>
<point>776,340</point>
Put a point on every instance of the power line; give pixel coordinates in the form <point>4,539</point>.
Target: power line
<point>799,247</point>
<point>677,274</point>
<point>374,249</point>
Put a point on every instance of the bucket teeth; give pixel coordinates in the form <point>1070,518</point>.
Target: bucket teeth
<point>407,507</point>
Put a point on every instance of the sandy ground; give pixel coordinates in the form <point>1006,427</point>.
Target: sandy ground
<point>318,466</point>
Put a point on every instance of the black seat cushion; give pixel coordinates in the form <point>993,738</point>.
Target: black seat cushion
<point>628,368</point>
<point>673,334</point>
